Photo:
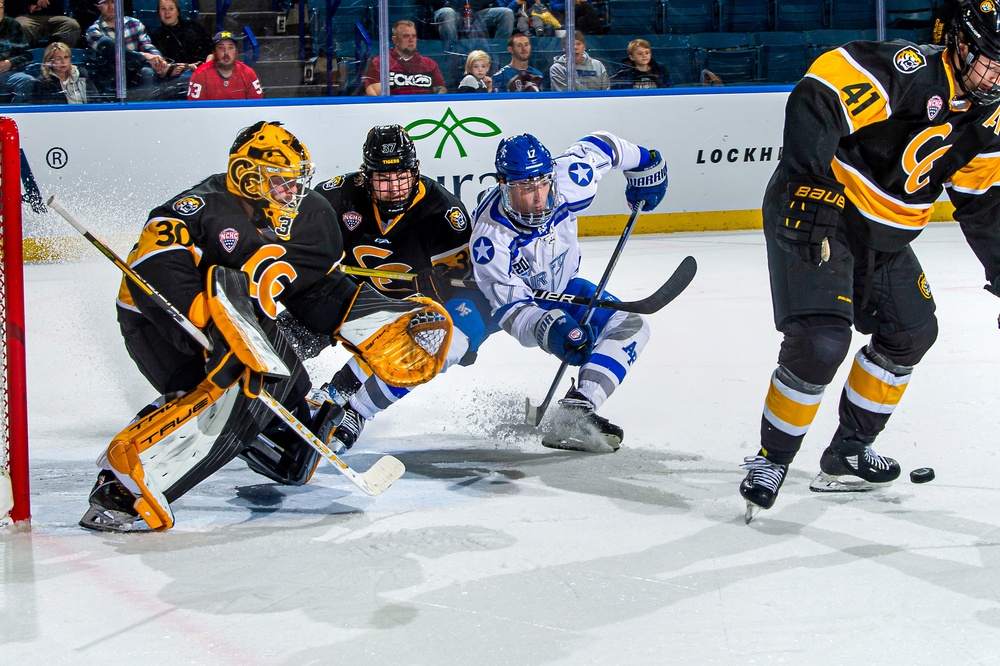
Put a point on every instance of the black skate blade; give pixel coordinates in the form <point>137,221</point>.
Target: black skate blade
<point>109,520</point>
<point>571,443</point>
<point>843,483</point>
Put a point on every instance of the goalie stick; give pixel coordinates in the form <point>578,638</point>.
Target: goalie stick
<point>652,304</point>
<point>379,476</point>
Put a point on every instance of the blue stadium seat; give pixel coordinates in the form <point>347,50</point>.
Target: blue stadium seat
<point>820,41</point>
<point>852,14</point>
<point>783,57</point>
<point>732,56</point>
<point>631,17</point>
<point>792,15</point>
<point>687,17</point>
<point>744,15</point>
<point>674,52</point>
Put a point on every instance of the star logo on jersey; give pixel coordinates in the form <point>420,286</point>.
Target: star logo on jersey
<point>482,250</point>
<point>229,237</point>
<point>351,219</point>
<point>909,60</point>
<point>188,205</point>
<point>934,106</point>
<point>456,218</point>
<point>581,173</point>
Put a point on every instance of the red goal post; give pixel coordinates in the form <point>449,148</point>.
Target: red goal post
<point>15,503</point>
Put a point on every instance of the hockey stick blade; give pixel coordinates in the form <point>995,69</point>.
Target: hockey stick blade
<point>668,291</point>
<point>375,481</point>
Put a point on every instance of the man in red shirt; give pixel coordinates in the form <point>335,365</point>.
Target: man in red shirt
<point>409,72</point>
<point>224,77</point>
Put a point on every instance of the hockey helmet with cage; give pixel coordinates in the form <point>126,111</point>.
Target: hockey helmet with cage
<point>389,149</point>
<point>272,170</point>
<point>527,189</point>
<point>977,25</point>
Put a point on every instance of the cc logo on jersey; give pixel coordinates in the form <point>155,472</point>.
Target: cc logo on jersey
<point>268,277</point>
<point>917,168</point>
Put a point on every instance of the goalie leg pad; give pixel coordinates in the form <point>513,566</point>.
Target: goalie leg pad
<point>404,342</point>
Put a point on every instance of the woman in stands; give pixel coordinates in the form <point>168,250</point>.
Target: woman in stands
<point>61,81</point>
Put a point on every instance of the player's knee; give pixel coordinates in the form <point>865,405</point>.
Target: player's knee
<point>813,348</point>
<point>906,348</point>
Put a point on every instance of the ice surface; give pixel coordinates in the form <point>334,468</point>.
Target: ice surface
<point>494,550</point>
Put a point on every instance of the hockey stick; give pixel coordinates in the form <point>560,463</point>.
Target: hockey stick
<point>533,415</point>
<point>375,481</point>
<point>653,303</point>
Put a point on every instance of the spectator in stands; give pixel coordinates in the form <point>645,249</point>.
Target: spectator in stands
<point>409,72</point>
<point>587,20</point>
<point>639,70</point>
<point>532,17</point>
<point>224,77</point>
<point>477,69</point>
<point>517,75</point>
<point>590,72</point>
<point>14,57</point>
<point>44,18</point>
<point>143,61</point>
<point>490,19</point>
<point>85,12</point>
<point>183,41</point>
<point>61,81</point>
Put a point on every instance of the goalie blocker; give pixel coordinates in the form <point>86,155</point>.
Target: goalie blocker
<point>170,448</point>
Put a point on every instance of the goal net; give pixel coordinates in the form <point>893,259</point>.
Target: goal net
<point>14,497</point>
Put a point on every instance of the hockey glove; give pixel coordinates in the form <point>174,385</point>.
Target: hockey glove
<point>647,183</point>
<point>561,335</point>
<point>814,208</point>
<point>435,283</point>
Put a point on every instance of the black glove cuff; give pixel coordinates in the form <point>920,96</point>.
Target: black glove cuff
<point>817,189</point>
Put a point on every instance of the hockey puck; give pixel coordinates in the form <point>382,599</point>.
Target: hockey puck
<point>922,475</point>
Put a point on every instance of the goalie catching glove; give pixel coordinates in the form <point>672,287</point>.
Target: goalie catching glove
<point>404,342</point>
<point>814,208</point>
<point>647,182</point>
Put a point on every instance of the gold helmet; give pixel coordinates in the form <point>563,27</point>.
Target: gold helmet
<point>270,168</point>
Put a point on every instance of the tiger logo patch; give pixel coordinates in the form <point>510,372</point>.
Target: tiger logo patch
<point>333,183</point>
<point>924,286</point>
<point>188,205</point>
<point>909,60</point>
<point>456,218</point>
<point>987,7</point>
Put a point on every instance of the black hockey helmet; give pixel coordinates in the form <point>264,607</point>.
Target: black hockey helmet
<point>977,25</point>
<point>389,149</point>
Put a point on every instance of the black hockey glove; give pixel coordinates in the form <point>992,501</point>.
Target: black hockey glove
<point>435,283</point>
<point>814,208</point>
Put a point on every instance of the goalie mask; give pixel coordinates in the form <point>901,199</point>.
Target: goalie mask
<point>977,25</point>
<point>527,188</point>
<point>272,170</point>
<point>391,168</point>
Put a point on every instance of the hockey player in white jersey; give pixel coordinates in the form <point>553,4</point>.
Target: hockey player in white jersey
<point>524,237</point>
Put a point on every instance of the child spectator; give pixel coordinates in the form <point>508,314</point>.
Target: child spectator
<point>639,69</point>
<point>477,68</point>
<point>61,81</point>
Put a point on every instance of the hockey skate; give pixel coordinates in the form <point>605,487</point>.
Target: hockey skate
<point>846,467</point>
<point>761,485</point>
<point>111,506</point>
<point>347,431</point>
<point>576,427</point>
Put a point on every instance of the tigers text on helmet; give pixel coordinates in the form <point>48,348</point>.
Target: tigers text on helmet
<point>977,25</point>
<point>391,168</point>
<point>527,188</point>
<point>271,169</point>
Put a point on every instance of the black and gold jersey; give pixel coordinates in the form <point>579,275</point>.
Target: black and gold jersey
<point>433,230</point>
<point>888,121</point>
<point>207,225</point>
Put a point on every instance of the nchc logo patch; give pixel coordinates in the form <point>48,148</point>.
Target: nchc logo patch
<point>934,106</point>
<point>909,60</point>
<point>188,205</point>
<point>925,288</point>
<point>351,219</point>
<point>229,237</point>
